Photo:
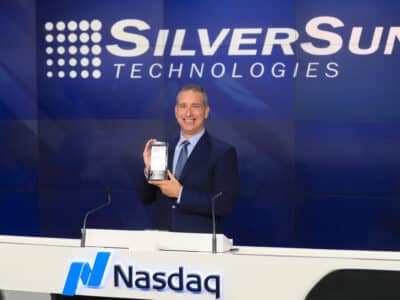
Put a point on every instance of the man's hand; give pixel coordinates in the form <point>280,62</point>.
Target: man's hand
<point>170,188</point>
<point>146,155</point>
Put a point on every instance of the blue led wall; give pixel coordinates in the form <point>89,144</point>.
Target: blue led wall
<point>307,91</point>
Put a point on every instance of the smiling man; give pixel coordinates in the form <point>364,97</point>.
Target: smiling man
<point>191,111</point>
<point>200,167</point>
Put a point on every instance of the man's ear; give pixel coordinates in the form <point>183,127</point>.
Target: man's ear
<point>207,112</point>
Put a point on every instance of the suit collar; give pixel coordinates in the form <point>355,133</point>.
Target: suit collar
<point>194,139</point>
<point>198,155</point>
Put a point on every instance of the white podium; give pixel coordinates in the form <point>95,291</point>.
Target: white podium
<point>164,265</point>
<point>153,240</point>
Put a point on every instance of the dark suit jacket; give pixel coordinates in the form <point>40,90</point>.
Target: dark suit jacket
<point>211,168</point>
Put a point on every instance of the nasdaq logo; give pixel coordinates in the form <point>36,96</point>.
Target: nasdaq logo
<point>90,276</point>
<point>127,276</point>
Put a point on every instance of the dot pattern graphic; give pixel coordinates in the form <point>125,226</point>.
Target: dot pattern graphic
<point>73,49</point>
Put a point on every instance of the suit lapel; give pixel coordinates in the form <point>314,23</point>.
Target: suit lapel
<point>198,155</point>
<point>171,150</point>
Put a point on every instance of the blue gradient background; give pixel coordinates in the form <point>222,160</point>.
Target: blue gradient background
<point>319,158</point>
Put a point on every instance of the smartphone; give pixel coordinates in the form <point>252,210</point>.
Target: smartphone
<point>158,161</point>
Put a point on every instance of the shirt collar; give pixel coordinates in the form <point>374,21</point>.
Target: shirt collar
<point>193,140</point>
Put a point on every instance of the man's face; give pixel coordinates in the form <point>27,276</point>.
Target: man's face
<point>190,112</point>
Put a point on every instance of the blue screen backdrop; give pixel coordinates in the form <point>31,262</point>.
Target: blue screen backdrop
<point>307,92</point>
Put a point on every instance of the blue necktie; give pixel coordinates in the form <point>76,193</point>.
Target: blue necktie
<point>181,159</point>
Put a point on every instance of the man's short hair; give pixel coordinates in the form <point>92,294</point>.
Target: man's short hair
<point>196,88</point>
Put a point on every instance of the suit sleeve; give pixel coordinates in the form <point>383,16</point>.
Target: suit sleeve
<point>147,192</point>
<point>225,179</point>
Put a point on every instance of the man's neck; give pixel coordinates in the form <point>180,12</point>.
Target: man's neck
<point>189,136</point>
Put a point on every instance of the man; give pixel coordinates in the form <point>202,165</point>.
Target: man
<point>183,202</point>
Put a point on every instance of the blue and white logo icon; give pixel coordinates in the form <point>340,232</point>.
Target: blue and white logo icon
<point>90,277</point>
<point>73,49</point>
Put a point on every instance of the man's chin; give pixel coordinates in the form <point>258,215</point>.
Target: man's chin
<point>188,128</point>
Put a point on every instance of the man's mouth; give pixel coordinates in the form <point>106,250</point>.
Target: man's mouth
<point>189,120</point>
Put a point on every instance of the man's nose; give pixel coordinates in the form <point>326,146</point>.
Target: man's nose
<point>188,111</point>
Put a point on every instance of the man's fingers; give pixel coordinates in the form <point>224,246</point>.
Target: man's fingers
<point>148,143</point>
<point>157,182</point>
<point>154,182</point>
<point>171,176</point>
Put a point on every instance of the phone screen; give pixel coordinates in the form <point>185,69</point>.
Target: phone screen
<point>159,157</point>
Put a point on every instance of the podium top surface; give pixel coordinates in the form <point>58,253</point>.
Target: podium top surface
<point>44,241</point>
<point>147,241</point>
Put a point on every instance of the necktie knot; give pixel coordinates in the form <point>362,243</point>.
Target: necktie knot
<point>185,143</point>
